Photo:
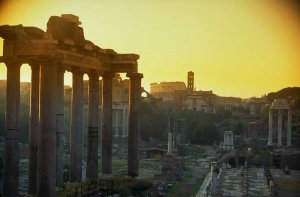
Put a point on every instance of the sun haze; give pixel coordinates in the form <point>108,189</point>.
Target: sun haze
<point>236,48</point>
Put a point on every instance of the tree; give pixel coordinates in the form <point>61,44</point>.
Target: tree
<point>153,123</point>
<point>238,128</point>
<point>203,132</point>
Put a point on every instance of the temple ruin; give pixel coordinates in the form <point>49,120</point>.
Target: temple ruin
<point>280,105</point>
<point>63,48</point>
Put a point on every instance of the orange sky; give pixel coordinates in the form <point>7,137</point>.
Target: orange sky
<point>236,48</point>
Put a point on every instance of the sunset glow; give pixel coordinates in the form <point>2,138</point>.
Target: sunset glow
<point>235,48</point>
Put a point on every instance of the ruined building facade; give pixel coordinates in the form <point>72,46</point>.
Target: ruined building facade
<point>63,47</point>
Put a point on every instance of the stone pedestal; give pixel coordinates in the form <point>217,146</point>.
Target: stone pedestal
<point>76,136</point>
<point>47,135</point>
<point>172,165</point>
<point>228,143</point>
<point>92,143</point>
<point>11,136</point>
<point>107,124</point>
<point>60,136</point>
<point>134,123</point>
<point>33,128</point>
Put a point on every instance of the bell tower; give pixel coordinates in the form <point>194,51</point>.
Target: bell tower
<point>190,81</point>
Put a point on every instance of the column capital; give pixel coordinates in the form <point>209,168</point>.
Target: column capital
<point>93,75</point>
<point>108,75</point>
<point>76,70</point>
<point>61,69</point>
<point>13,63</point>
<point>34,64</point>
<point>134,75</point>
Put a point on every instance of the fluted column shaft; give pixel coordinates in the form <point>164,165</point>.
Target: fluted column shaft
<point>134,123</point>
<point>93,122</point>
<point>47,137</point>
<point>60,136</point>
<point>289,131</point>
<point>33,128</point>
<point>76,142</point>
<point>279,128</point>
<point>106,137</point>
<point>11,136</point>
<point>270,136</point>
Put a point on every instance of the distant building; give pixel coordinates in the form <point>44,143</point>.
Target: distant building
<point>166,90</point>
<point>207,101</point>
<point>228,103</point>
<point>256,106</point>
<point>201,101</point>
<point>183,97</point>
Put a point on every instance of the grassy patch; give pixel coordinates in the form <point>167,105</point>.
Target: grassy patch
<point>124,186</point>
<point>288,185</point>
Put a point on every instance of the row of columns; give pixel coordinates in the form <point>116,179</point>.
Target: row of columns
<point>279,128</point>
<point>46,135</point>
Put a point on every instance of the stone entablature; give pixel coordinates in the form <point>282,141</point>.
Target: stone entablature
<point>64,43</point>
<point>280,104</point>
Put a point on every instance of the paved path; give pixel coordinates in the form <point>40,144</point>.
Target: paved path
<point>231,183</point>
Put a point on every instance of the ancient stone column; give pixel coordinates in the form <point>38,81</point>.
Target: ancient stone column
<point>134,123</point>
<point>279,143</point>
<point>289,129</point>
<point>174,137</point>
<point>124,123</point>
<point>76,136</point>
<point>270,137</point>
<point>106,137</point>
<point>60,136</point>
<point>34,122</point>
<point>170,136</point>
<point>116,123</point>
<point>92,139</point>
<point>170,144</point>
<point>225,141</point>
<point>46,185</point>
<point>11,136</point>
